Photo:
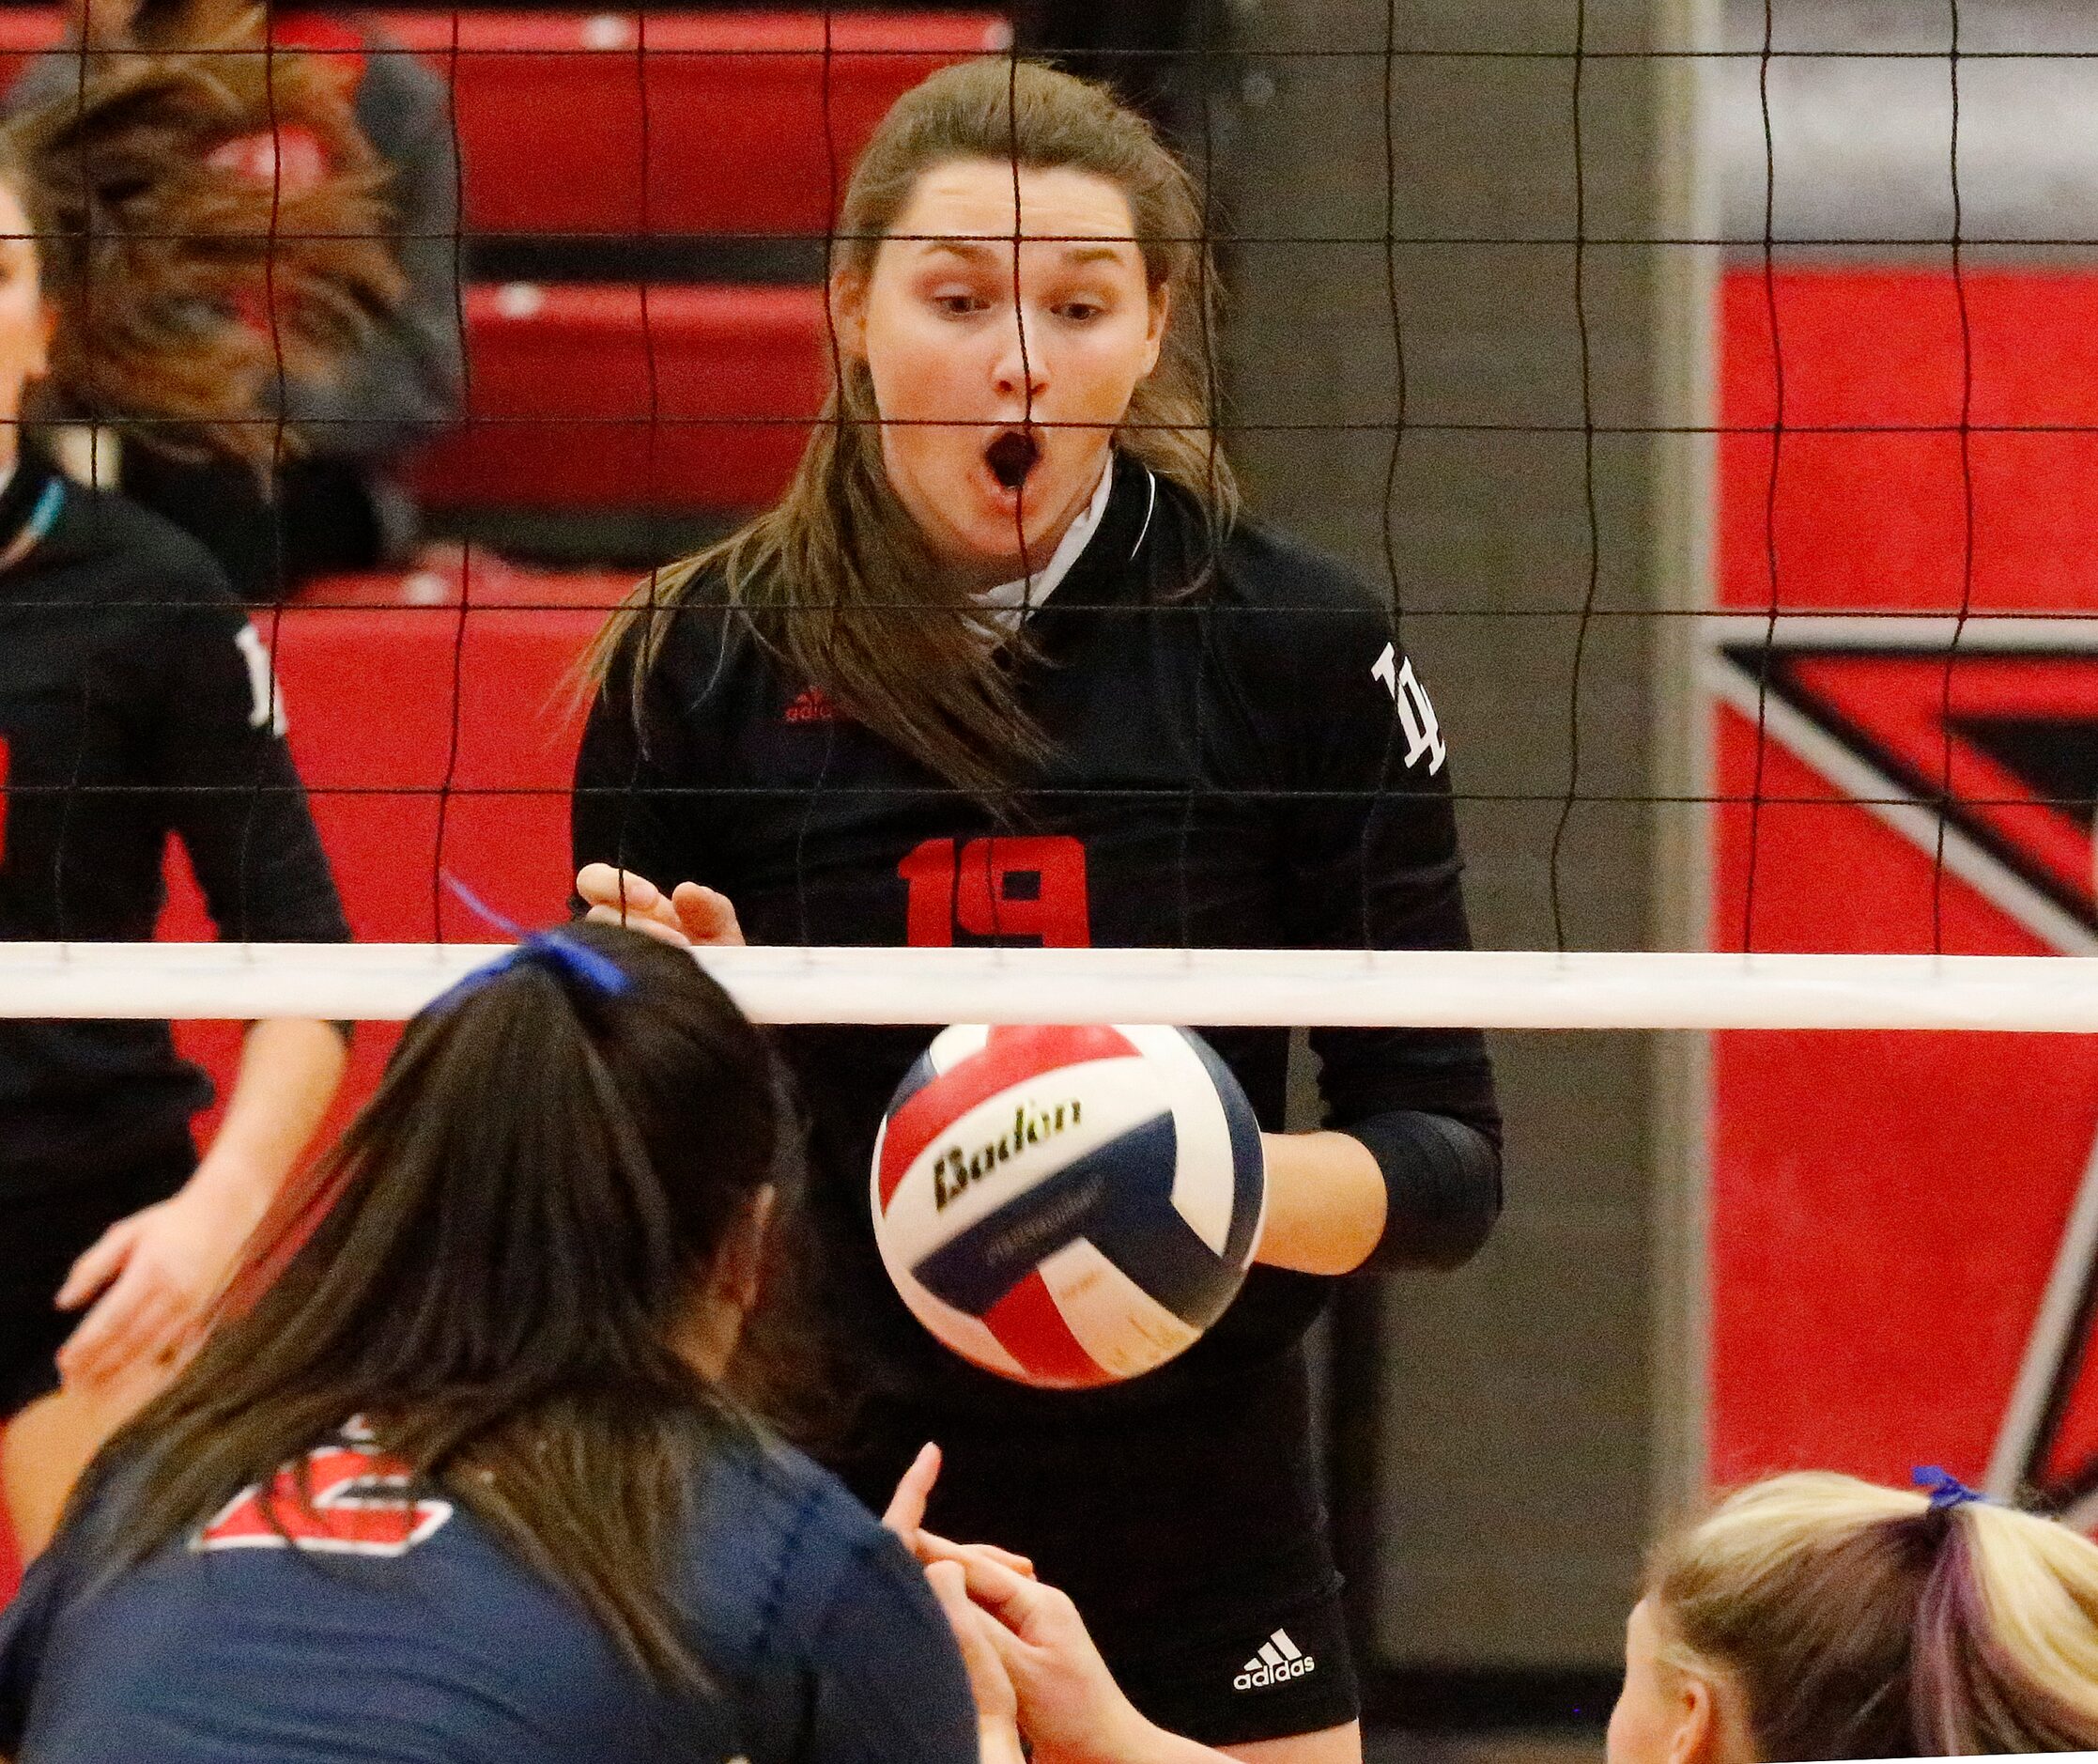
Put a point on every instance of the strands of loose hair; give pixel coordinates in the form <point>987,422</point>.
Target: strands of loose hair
<point>185,286</point>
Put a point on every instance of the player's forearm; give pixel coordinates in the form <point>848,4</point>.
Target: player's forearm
<point>289,1069</point>
<point>1326,1203</point>
<point>1402,1189</point>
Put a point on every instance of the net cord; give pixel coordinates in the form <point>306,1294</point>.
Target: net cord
<point>1337,988</point>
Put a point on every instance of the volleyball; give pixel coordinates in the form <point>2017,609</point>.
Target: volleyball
<point>1068,1206</point>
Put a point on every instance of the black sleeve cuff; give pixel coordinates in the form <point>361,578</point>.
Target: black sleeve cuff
<point>1442,1189</point>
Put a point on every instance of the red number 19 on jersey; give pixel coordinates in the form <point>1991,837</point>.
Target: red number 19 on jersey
<point>998,888</point>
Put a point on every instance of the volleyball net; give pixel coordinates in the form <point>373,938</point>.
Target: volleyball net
<point>1708,389</point>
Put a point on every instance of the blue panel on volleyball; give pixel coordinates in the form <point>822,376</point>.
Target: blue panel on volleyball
<point>1120,1200</point>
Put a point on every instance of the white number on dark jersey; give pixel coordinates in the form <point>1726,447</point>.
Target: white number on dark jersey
<point>266,709</point>
<point>1417,716</point>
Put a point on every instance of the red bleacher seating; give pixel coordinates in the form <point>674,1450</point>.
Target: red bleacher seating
<point>559,113</point>
<point>554,111</point>
<point>581,399</point>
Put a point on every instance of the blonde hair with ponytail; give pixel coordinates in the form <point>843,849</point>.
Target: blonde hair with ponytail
<point>1861,1621</point>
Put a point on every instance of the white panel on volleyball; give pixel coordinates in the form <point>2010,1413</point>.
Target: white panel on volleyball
<point>1202,1134</point>
<point>1117,1094</point>
<point>956,1043</point>
<point>1122,1328</point>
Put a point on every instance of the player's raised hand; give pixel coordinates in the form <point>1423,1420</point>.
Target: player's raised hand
<point>1070,1708</point>
<point>905,1516</point>
<point>689,915</point>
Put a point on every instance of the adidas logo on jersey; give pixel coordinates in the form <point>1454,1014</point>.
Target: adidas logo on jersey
<point>811,704</point>
<point>1278,1661</point>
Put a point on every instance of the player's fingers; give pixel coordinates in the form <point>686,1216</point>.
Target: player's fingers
<point>656,928</point>
<point>603,885</point>
<point>707,916</point>
<point>125,1326</point>
<point>1015,1599</point>
<point>990,1684</point>
<point>624,892</point>
<point>905,1512</point>
<point>932,1547</point>
<point>97,1265</point>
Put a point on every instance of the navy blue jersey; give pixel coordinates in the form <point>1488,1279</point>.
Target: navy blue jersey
<point>377,1626</point>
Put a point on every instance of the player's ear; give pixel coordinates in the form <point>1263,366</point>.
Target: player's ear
<point>1154,331</point>
<point>47,330</point>
<point>848,310</point>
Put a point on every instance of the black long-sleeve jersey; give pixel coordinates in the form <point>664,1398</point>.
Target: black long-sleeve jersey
<point>135,701</point>
<point>1244,761</point>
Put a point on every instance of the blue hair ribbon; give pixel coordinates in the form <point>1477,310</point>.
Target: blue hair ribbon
<point>564,957</point>
<point>1946,1489</point>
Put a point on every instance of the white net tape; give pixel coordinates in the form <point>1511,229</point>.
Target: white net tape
<point>1487,989</point>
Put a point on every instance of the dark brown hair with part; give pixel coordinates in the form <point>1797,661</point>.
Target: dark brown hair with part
<point>184,287</point>
<point>1861,1622</point>
<point>835,579</point>
<point>504,1249</point>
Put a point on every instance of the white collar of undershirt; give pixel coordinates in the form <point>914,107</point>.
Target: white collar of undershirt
<point>1008,603</point>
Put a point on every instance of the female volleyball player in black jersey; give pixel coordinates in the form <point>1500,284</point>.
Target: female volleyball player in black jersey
<point>1004,666</point>
<point>136,702</point>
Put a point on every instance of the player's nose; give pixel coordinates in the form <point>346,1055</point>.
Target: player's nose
<point>1020,366</point>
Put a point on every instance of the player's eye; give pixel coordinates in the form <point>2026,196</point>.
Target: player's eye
<point>1080,312</point>
<point>958,306</point>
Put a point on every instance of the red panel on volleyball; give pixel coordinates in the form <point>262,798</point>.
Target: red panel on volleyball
<point>592,398</point>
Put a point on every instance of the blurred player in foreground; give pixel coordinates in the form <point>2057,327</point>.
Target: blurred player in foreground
<point>466,1482</point>
<point>136,702</point>
<point>1004,666</point>
<point>1810,1617</point>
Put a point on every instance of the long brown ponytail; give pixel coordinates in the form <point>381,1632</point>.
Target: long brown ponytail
<point>510,1238</point>
<point>835,577</point>
<point>185,286</point>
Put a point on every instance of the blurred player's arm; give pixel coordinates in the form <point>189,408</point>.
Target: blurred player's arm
<point>215,741</point>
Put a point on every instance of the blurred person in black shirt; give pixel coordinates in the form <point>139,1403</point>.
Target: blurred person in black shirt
<point>334,501</point>
<point>136,702</point>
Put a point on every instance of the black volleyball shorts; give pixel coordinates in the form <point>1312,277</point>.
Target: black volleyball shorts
<point>1192,1535</point>
<point>41,1236</point>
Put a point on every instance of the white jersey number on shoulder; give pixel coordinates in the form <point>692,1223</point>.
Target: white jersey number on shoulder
<point>267,703</point>
<point>1417,716</point>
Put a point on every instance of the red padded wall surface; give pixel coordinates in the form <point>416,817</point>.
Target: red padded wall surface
<point>368,683</point>
<point>1885,1207</point>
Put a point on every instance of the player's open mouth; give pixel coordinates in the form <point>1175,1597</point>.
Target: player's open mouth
<point>1011,455</point>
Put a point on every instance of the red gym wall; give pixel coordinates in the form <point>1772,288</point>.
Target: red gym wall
<point>1885,1208</point>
